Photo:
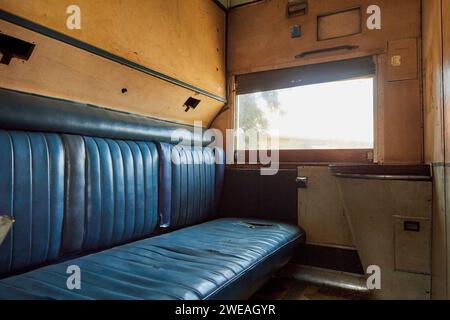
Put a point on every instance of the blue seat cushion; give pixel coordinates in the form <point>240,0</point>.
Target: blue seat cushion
<point>220,259</point>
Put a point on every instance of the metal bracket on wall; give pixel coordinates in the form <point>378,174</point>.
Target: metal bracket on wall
<point>302,182</point>
<point>310,53</point>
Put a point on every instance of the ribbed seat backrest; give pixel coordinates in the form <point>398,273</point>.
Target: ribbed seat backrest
<point>191,181</point>
<point>31,190</point>
<point>74,194</point>
<point>112,192</point>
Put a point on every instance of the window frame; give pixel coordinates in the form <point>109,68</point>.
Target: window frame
<point>319,156</point>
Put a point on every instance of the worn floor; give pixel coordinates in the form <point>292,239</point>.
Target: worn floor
<point>291,289</point>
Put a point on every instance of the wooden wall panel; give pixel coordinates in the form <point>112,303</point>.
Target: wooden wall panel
<point>446,71</point>
<point>259,37</point>
<point>339,24</point>
<point>179,38</point>
<point>403,60</point>
<point>436,31</point>
<point>59,70</point>
<point>432,82</point>
<point>446,90</point>
<point>402,122</point>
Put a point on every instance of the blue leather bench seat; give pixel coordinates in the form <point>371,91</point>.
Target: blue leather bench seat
<point>138,217</point>
<point>220,259</point>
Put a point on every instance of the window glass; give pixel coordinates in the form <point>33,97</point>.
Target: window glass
<point>331,115</point>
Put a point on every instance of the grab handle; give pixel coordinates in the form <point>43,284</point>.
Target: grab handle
<point>313,52</point>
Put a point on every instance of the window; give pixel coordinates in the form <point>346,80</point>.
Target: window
<point>331,115</point>
<point>328,106</point>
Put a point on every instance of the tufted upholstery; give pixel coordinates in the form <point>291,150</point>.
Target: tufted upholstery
<point>221,259</point>
<point>190,184</point>
<point>118,201</point>
<point>32,190</point>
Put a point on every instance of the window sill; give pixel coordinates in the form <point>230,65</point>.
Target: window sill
<point>325,157</point>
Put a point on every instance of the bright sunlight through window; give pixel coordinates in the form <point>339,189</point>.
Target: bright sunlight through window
<point>332,115</point>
